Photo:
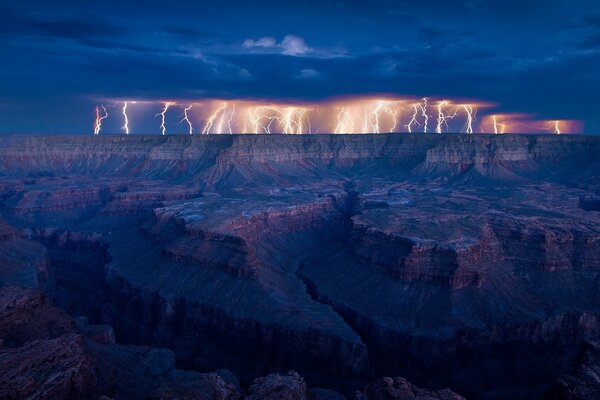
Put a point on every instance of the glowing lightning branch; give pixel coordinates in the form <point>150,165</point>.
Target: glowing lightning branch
<point>344,122</point>
<point>288,119</point>
<point>211,120</point>
<point>221,120</point>
<point>469,111</point>
<point>163,127</point>
<point>231,119</point>
<point>424,114</point>
<point>99,119</point>
<point>442,117</point>
<point>187,119</point>
<point>556,128</point>
<point>413,118</point>
<point>394,115</point>
<point>126,123</point>
<point>372,119</point>
<point>498,127</point>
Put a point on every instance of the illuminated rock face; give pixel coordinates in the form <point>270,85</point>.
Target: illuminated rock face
<point>452,260</point>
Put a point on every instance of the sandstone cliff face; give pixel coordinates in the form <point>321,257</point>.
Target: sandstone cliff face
<point>242,156</point>
<point>451,260</point>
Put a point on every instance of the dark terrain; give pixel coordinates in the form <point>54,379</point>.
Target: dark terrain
<point>195,265</point>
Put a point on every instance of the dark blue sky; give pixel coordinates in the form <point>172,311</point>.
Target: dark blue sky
<point>60,57</point>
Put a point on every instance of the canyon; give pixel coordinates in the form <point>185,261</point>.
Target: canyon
<point>326,266</point>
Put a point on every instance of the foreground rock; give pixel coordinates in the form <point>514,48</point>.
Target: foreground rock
<point>57,368</point>
<point>288,386</point>
<point>584,382</point>
<point>44,354</point>
<point>41,356</point>
<point>400,389</point>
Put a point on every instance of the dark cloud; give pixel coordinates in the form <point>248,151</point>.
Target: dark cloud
<point>591,21</point>
<point>188,33</point>
<point>76,26</point>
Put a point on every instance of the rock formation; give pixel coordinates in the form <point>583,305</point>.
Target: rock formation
<point>461,261</point>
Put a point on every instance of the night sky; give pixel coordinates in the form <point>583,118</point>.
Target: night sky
<point>61,58</point>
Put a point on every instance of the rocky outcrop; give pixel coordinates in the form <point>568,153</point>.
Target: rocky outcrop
<point>40,355</point>
<point>229,242</point>
<point>25,315</point>
<point>56,368</point>
<point>584,382</point>
<point>400,389</point>
<point>211,386</point>
<point>288,386</point>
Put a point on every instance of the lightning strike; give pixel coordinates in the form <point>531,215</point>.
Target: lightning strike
<point>442,118</point>
<point>424,114</point>
<point>231,119</point>
<point>287,120</point>
<point>125,126</point>
<point>498,128</point>
<point>556,128</point>
<point>187,119</point>
<point>99,119</point>
<point>163,127</point>
<point>469,116</point>
<point>372,120</point>
<point>413,118</point>
<point>344,122</point>
<point>211,119</point>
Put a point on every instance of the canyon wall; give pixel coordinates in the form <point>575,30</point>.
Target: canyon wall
<point>468,261</point>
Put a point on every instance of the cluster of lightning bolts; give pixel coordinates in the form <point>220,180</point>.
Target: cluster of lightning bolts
<point>358,116</point>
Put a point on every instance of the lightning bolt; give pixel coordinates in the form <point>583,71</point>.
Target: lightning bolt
<point>221,120</point>
<point>424,114</point>
<point>231,119</point>
<point>211,120</point>
<point>99,119</point>
<point>126,119</point>
<point>163,127</point>
<point>498,128</point>
<point>469,114</point>
<point>372,119</point>
<point>253,118</point>
<point>187,119</point>
<point>413,118</point>
<point>292,119</point>
<point>344,122</point>
<point>394,114</point>
<point>442,118</point>
<point>289,119</point>
<point>556,128</point>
